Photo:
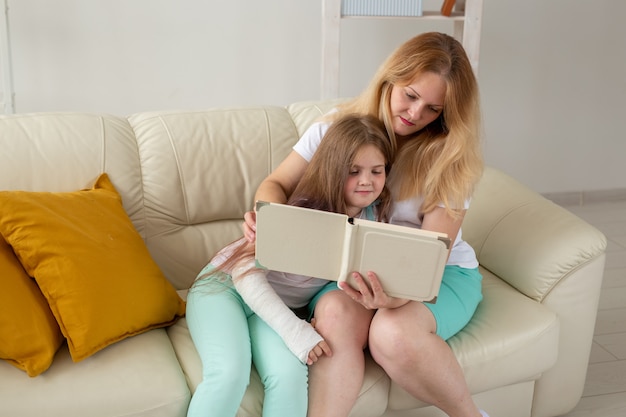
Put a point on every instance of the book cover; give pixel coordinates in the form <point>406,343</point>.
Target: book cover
<point>408,261</point>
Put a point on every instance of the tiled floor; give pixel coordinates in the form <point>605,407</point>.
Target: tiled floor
<point>605,388</point>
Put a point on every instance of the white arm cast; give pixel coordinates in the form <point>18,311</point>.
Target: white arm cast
<point>299,336</point>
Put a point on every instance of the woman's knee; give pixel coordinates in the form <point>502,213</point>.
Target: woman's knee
<point>385,336</point>
<point>336,304</point>
<point>399,333</point>
<point>337,315</point>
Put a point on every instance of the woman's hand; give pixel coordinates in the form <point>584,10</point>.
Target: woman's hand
<point>249,226</point>
<point>370,296</point>
<point>318,351</point>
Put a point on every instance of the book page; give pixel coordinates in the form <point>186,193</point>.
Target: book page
<point>409,262</point>
<point>300,241</point>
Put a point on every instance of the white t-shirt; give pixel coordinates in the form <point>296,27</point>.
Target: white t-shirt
<point>404,213</point>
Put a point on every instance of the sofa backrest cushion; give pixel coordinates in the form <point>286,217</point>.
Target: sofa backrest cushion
<point>62,152</point>
<point>304,113</point>
<point>200,171</point>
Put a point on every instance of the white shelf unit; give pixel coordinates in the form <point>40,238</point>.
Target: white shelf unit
<point>7,102</point>
<point>466,19</point>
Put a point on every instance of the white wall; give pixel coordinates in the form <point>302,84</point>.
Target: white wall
<point>551,72</point>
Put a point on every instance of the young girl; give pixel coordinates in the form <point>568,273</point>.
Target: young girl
<point>238,313</point>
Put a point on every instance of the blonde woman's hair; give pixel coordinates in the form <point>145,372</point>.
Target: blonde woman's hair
<point>443,161</point>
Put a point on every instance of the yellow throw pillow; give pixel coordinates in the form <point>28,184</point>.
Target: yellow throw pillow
<point>29,334</point>
<point>92,266</point>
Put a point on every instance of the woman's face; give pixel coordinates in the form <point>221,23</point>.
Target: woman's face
<point>416,105</point>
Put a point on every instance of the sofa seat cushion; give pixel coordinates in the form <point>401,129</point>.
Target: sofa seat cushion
<point>510,339</point>
<point>372,399</point>
<point>139,376</point>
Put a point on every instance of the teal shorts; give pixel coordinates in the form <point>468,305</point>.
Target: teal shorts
<point>331,286</point>
<point>459,296</point>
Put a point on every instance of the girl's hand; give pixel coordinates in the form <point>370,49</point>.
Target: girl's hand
<point>370,292</point>
<point>249,226</point>
<point>318,351</point>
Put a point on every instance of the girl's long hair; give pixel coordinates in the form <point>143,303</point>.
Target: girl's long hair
<point>322,184</point>
<point>443,161</point>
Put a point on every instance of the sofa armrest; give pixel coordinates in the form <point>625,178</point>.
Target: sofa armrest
<point>554,258</point>
<point>525,239</point>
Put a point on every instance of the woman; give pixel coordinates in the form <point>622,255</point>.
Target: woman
<point>427,96</point>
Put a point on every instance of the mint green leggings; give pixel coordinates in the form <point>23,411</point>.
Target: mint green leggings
<point>229,337</point>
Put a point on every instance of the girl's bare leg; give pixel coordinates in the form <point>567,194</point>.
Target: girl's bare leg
<point>404,342</point>
<point>335,381</point>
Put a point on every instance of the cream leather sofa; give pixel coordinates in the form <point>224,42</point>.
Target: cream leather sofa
<point>187,177</point>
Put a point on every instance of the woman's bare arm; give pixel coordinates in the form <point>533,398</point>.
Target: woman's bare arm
<point>276,188</point>
<point>279,185</point>
<point>440,221</point>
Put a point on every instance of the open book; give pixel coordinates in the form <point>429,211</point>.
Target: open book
<point>409,262</point>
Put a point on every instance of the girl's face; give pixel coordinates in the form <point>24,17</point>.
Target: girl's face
<point>366,179</point>
<point>416,105</point>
